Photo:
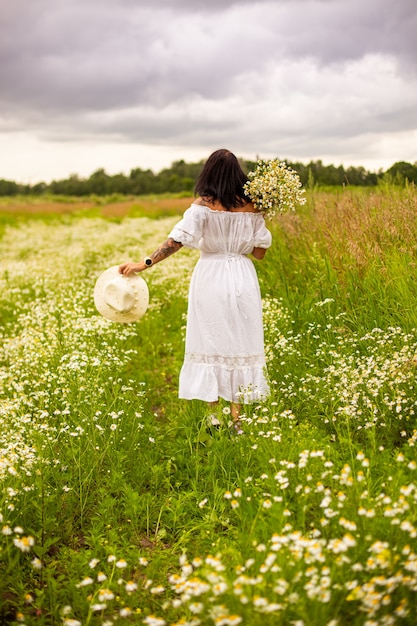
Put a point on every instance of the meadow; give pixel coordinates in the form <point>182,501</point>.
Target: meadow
<point>119,507</point>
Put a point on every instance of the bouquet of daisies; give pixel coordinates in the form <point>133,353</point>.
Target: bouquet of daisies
<point>274,187</point>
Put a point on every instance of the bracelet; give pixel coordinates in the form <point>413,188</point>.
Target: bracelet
<point>148,261</point>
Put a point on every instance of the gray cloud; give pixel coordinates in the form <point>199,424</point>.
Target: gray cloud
<point>266,73</point>
<point>89,55</point>
<point>340,31</point>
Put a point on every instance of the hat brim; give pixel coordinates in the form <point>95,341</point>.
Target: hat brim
<point>141,292</point>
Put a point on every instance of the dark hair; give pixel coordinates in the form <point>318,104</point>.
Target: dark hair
<point>222,179</point>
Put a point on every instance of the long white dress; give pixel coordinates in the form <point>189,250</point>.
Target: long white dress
<point>224,349</point>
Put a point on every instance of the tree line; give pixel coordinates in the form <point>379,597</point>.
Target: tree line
<point>181,177</point>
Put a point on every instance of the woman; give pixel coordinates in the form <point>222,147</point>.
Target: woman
<point>224,349</point>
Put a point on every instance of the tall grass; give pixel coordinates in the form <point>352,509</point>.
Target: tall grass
<point>359,248</point>
<point>119,506</point>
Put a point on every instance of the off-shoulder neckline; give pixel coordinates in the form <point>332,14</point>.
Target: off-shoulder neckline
<point>204,206</point>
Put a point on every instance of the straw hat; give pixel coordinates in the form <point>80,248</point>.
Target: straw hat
<point>121,298</point>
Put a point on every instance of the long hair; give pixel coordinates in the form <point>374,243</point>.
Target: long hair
<point>222,179</point>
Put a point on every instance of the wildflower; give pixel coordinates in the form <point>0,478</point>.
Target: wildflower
<point>36,563</point>
<point>281,586</point>
<point>274,187</point>
<point>215,563</point>
<point>98,607</point>
<point>101,577</point>
<point>261,547</point>
<point>93,563</point>
<point>71,622</point>
<point>219,588</point>
<point>227,620</point>
<point>87,580</point>
<point>347,524</point>
<point>66,610</point>
<point>121,563</point>
<point>203,503</point>
<point>152,620</point>
<point>408,527</point>
<point>105,594</point>
<point>131,586</point>
<point>24,543</point>
<point>269,561</point>
<point>125,612</point>
<point>143,561</point>
<point>401,610</point>
<point>407,489</point>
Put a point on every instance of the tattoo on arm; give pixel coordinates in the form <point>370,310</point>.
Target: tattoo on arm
<point>165,250</point>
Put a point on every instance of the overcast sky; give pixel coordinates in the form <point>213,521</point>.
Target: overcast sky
<point>119,84</point>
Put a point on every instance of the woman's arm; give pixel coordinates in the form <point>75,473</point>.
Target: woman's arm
<point>259,253</point>
<point>162,252</point>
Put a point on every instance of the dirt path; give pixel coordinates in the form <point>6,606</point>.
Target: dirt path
<point>135,206</point>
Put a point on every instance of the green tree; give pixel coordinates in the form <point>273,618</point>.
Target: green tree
<point>142,181</point>
<point>9,188</point>
<point>403,171</point>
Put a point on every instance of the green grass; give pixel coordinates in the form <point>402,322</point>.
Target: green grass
<point>118,507</point>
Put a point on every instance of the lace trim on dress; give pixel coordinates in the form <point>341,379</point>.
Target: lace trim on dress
<point>228,362</point>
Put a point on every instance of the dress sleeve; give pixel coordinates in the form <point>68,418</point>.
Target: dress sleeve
<point>262,236</point>
<point>188,231</point>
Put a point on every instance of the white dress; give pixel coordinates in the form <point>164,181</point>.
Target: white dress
<point>224,348</point>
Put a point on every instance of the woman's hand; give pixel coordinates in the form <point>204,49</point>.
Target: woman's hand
<point>128,269</point>
<point>162,252</point>
<point>259,253</point>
